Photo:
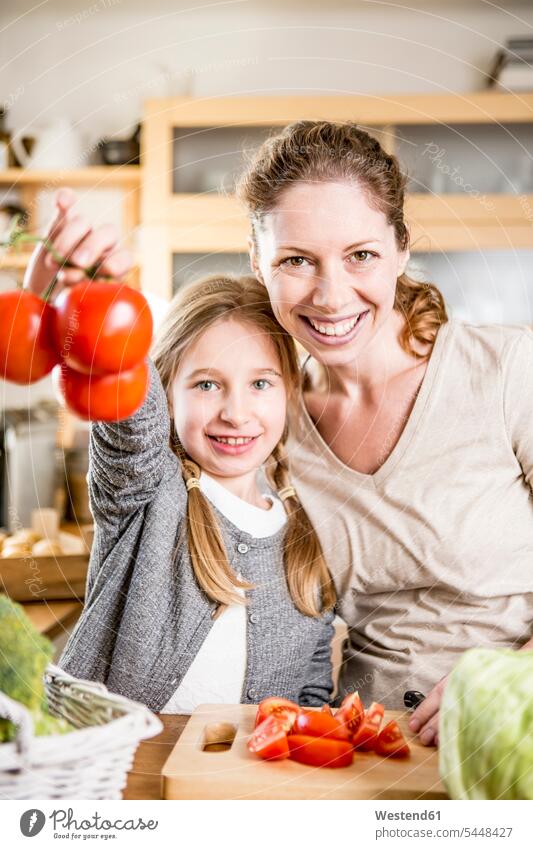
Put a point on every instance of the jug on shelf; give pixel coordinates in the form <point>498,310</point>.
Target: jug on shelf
<point>56,145</point>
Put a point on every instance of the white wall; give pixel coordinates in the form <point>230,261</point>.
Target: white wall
<point>98,67</point>
<point>97,61</point>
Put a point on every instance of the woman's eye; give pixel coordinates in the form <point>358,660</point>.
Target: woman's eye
<point>262,384</point>
<point>362,256</point>
<point>294,261</point>
<point>205,385</point>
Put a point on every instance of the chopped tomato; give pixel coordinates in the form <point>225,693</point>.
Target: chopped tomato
<point>366,735</point>
<point>277,707</point>
<point>391,743</point>
<point>351,712</point>
<point>315,752</point>
<point>326,709</point>
<point>318,724</point>
<point>269,740</point>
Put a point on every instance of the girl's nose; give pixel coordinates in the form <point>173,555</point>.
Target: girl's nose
<point>235,413</point>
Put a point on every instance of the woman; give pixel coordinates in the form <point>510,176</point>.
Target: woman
<point>412,451</point>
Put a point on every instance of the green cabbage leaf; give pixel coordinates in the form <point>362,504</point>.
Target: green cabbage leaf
<point>486,726</point>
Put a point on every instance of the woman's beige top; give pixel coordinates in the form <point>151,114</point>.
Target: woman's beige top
<point>433,554</point>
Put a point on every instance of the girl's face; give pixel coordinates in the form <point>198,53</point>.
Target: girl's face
<point>330,263</point>
<point>229,399</point>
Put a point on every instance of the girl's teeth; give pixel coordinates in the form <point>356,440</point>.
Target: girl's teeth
<point>339,329</point>
<point>230,440</point>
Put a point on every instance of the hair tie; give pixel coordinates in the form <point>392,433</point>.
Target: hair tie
<point>192,483</point>
<point>286,492</point>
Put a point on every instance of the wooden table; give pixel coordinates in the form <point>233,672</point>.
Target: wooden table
<point>51,618</point>
<point>144,778</point>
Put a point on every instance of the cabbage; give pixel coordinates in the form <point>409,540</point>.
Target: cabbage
<point>486,726</point>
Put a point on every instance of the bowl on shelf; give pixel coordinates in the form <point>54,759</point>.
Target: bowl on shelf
<point>119,151</point>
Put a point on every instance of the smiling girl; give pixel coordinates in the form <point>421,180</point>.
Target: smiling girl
<point>204,586</point>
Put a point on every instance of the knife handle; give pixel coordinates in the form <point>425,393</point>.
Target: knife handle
<point>412,698</point>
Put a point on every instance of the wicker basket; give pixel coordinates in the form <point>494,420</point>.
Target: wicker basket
<point>88,763</point>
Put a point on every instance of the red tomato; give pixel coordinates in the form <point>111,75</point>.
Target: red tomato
<point>316,752</point>
<point>102,327</point>
<point>326,709</point>
<point>279,707</point>
<point>366,735</point>
<point>104,397</point>
<point>269,739</point>
<point>351,712</point>
<point>27,351</point>
<point>391,742</point>
<point>318,724</point>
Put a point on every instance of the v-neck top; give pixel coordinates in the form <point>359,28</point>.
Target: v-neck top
<point>433,553</point>
<point>406,435</point>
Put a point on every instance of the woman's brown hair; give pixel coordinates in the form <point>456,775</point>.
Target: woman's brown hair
<point>323,151</point>
<point>193,310</point>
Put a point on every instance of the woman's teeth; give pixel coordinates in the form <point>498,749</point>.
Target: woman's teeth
<point>230,440</point>
<point>340,328</point>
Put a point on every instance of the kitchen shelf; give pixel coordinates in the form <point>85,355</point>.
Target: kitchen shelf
<point>467,108</point>
<point>205,223</point>
<point>97,175</point>
<point>18,260</point>
<point>52,618</point>
<point>14,260</point>
<point>208,222</point>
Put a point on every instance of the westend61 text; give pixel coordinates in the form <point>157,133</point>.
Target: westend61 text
<point>407,815</point>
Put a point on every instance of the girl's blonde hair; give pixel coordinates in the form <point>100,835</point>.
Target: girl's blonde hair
<point>193,310</point>
<point>322,151</point>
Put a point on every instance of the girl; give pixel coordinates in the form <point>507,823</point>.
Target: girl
<point>204,586</point>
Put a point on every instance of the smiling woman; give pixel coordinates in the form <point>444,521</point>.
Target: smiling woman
<point>412,450</point>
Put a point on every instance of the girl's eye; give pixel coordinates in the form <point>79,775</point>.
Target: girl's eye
<point>262,383</point>
<point>294,261</point>
<point>205,385</point>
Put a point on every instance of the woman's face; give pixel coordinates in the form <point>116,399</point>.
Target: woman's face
<point>330,263</point>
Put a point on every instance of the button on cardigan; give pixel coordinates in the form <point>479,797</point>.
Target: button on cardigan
<point>145,617</point>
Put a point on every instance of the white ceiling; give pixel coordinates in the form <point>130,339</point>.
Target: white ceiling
<point>22,7</point>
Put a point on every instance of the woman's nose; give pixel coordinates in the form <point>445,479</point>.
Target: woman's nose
<point>329,292</point>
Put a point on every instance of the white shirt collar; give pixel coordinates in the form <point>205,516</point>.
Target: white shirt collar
<point>249,518</point>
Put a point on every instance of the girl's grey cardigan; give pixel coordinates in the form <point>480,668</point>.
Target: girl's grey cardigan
<point>145,617</point>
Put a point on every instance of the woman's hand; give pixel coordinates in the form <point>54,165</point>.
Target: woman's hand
<point>75,240</point>
<point>425,719</point>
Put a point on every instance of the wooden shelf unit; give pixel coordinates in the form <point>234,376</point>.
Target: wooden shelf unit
<point>203,223</point>
<point>95,176</point>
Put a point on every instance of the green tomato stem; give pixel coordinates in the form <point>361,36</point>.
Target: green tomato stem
<point>17,237</point>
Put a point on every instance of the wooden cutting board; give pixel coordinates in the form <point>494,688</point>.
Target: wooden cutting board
<point>202,766</point>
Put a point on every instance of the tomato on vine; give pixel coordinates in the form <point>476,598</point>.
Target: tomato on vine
<point>27,350</point>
